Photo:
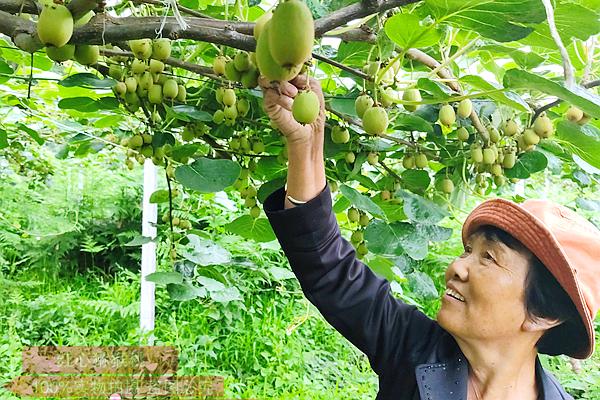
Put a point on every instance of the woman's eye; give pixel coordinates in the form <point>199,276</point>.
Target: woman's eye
<point>466,251</point>
<point>488,256</point>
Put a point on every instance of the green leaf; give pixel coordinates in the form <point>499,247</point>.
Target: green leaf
<point>343,105</point>
<point>527,164</point>
<point>186,113</point>
<point>184,291</point>
<point>3,139</point>
<point>205,252</point>
<point>361,201</point>
<point>138,241</point>
<point>32,133</point>
<point>578,96</point>
<point>406,31</point>
<point>584,140</point>
<point>509,98</point>
<point>437,90</point>
<point>207,175</point>
<point>410,122</point>
<point>87,104</point>
<point>422,285</point>
<point>5,68</point>
<point>164,278</point>
<point>268,188</point>
<point>396,239</point>
<point>258,229</point>
<point>160,196</point>
<point>184,150</point>
<point>87,80</point>
<point>501,20</point>
<point>415,180</point>
<point>421,210</point>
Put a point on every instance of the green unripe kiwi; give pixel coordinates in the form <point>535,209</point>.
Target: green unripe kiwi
<point>494,135</point>
<point>362,104</point>
<point>258,147</point>
<point>375,121</point>
<point>120,88</point>
<point>447,186</point>
<point>408,161</point>
<point>499,180</point>
<point>353,215</point>
<point>373,158</point>
<point>145,80</point>
<point>241,61</point>
<point>155,94</point>
<point>138,66</point>
<point>463,134</point>
<point>131,84</point>
<point>147,151</point>
<point>350,157</point>
<point>141,48</point>
<point>530,137</point>
<point>64,53</point>
<point>261,22</point>
<point>243,107</point>
<point>305,108</point>
<point>250,202</point>
<point>255,212</point>
<point>464,108</point>
<point>27,42</point>
<point>387,97</point>
<point>357,237</point>
<point>161,49</point>
<point>447,115</point>
<point>267,66</point>
<point>509,160</point>
<point>229,97</point>
<point>510,128</point>
<point>362,250</point>
<point>218,116</point>
<point>135,141</point>
<point>339,135</point>
<point>170,89</point>
<point>293,33</point>
<point>55,25</point>
<point>219,65</point>
<point>231,73</point>
<point>411,95</point>
<point>156,67</point>
<point>543,126</point>
<point>489,156</point>
<point>250,78</point>
<point>574,114</point>
<point>496,169</point>
<point>87,54</point>
<point>476,155</point>
<point>364,220</point>
<point>114,71</point>
<point>421,160</point>
<point>230,112</point>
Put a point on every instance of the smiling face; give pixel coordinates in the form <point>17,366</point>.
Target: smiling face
<point>486,285</point>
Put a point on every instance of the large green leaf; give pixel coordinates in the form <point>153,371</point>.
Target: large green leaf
<point>87,104</point>
<point>410,122</point>
<point>3,139</point>
<point>159,196</point>
<point>87,80</point>
<point>361,201</point>
<point>257,229</point>
<point>205,252</point>
<point>584,140</point>
<point>421,210</point>
<point>186,112</point>
<point>436,89</point>
<point>184,291</point>
<point>509,98</point>
<point>501,20</point>
<point>164,278</point>
<point>208,175</point>
<point>415,180</point>
<point>402,238</point>
<point>527,164</point>
<point>407,31</point>
<point>578,96</point>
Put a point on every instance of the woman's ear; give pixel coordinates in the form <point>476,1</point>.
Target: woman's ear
<point>537,324</point>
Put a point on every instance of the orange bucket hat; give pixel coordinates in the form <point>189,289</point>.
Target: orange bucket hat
<point>565,242</point>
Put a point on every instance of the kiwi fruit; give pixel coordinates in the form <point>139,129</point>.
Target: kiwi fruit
<point>305,108</point>
<point>465,107</point>
<point>362,104</point>
<point>375,120</point>
<point>293,33</point>
<point>55,25</point>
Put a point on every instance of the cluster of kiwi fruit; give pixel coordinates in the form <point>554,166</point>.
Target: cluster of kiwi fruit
<point>284,41</point>
<point>242,69</point>
<point>361,219</point>
<point>244,143</point>
<point>232,107</point>
<point>247,190</point>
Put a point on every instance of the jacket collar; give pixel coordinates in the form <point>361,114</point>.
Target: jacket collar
<point>448,381</point>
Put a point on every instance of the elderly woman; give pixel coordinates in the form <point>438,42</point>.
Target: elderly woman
<point>527,283</point>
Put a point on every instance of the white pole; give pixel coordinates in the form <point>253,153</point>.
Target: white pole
<point>149,212</point>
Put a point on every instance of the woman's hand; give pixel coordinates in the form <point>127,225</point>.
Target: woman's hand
<point>306,169</point>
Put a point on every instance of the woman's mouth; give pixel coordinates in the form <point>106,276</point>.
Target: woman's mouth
<point>454,294</point>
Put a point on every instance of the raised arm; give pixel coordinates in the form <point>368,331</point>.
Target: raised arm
<point>348,294</point>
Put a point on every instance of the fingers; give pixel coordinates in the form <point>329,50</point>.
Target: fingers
<point>271,97</point>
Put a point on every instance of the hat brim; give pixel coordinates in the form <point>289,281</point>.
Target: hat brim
<point>532,233</point>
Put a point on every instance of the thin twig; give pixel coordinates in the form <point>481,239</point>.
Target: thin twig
<point>556,102</point>
<point>566,60</point>
<point>343,67</point>
<point>180,7</point>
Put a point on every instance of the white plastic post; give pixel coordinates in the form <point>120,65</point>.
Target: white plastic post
<point>149,212</point>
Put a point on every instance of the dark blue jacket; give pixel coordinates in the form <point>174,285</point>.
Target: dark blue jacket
<point>412,355</point>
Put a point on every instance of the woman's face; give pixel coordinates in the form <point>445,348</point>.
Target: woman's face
<point>489,281</point>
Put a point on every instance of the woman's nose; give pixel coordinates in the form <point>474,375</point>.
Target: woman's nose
<point>459,269</point>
